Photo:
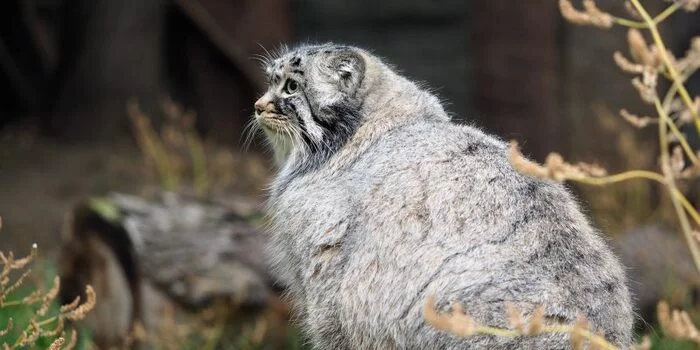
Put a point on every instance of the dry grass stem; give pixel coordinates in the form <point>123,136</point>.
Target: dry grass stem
<point>577,336</point>
<point>40,325</point>
<point>60,326</point>
<point>459,323</point>
<point>665,57</point>
<point>632,12</point>
<point>177,152</point>
<point>11,264</point>
<point>648,62</point>
<point>73,340</point>
<point>685,115</point>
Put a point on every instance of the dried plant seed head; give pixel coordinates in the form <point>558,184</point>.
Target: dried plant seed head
<point>688,5</point>
<point>57,344</point>
<point>689,63</point>
<point>6,268</point>
<point>514,317</point>
<point>627,65</point>
<point>8,327</point>
<point>71,306</point>
<point>647,94</point>
<point>456,322</point>
<point>677,161</point>
<point>645,344</point>
<point>577,332</point>
<point>429,312</point>
<point>593,170</point>
<point>555,168</point>
<point>690,331</point>
<point>32,298</point>
<point>601,19</point>
<point>676,323</point>
<point>637,121</point>
<point>21,263</point>
<point>458,309</point>
<point>81,311</point>
<point>31,336</point>
<point>50,295</point>
<point>60,326</point>
<point>536,321</point>
<point>650,77</point>
<point>597,343</point>
<point>577,339</point>
<point>571,14</point>
<point>592,15</point>
<point>524,165</point>
<point>16,285</point>
<point>638,47</point>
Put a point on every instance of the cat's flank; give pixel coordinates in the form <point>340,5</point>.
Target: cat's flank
<point>380,201</point>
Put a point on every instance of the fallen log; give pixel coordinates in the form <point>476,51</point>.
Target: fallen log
<point>174,253</point>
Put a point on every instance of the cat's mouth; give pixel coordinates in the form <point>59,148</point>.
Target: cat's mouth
<point>272,121</point>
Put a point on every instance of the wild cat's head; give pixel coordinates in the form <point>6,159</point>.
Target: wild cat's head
<point>311,108</point>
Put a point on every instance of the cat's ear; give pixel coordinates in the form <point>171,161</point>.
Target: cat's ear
<point>348,68</point>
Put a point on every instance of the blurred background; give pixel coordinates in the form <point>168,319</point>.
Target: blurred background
<point>92,91</point>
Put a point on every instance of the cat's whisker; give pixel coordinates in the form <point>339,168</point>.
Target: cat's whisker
<point>251,128</point>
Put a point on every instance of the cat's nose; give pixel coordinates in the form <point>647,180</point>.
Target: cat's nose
<point>265,104</point>
<point>260,106</point>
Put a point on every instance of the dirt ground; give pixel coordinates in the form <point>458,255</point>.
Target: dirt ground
<point>41,180</point>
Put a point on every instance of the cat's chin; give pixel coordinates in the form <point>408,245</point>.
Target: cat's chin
<point>273,121</point>
<point>280,143</point>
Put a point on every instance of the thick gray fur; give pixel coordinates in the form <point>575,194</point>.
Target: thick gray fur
<point>381,201</point>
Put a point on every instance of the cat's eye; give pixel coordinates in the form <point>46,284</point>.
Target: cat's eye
<point>291,86</point>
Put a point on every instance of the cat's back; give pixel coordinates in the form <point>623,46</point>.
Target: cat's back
<point>443,160</point>
<point>439,205</point>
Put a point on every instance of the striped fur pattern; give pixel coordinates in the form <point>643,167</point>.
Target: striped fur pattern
<point>380,201</point>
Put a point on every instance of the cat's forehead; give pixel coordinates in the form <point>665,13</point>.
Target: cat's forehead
<point>297,59</point>
<point>282,64</point>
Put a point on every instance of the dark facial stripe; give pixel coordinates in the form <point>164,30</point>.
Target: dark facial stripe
<point>321,122</point>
